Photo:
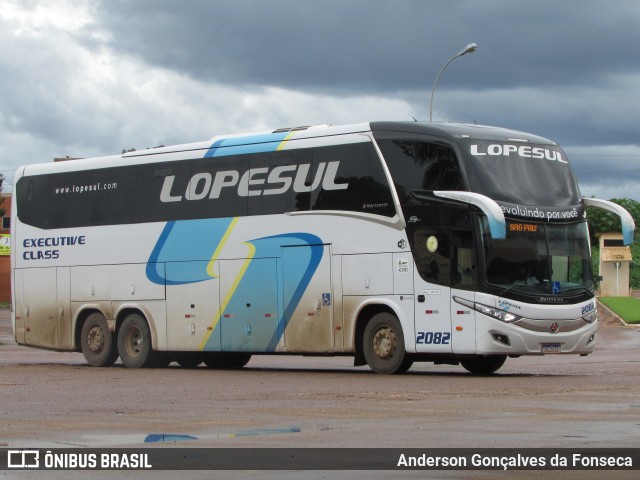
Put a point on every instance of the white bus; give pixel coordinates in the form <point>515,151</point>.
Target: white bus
<point>392,242</point>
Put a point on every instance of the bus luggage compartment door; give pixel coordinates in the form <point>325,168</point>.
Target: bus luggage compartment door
<point>307,299</point>
<point>43,317</point>
<point>248,292</point>
<point>193,308</point>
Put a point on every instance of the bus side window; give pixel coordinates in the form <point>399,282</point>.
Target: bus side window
<point>442,171</point>
<point>465,272</point>
<point>358,184</point>
<point>431,254</point>
<point>419,165</point>
<point>273,183</point>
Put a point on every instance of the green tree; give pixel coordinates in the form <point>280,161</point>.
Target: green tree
<point>601,221</point>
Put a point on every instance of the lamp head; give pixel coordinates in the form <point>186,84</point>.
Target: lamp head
<point>472,47</point>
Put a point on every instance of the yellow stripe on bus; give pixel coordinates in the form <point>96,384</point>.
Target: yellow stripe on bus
<point>285,140</point>
<point>210,271</point>
<point>214,323</point>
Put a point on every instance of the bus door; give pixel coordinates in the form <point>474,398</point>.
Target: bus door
<point>464,285</point>
<point>43,317</point>
<point>463,322</point>
<point>307,298</point>
<point>432,291</point>
<point>249,293</point>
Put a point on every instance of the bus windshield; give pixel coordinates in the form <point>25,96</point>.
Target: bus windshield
<point>538,258</point>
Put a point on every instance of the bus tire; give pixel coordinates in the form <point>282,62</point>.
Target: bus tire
<point>483,365</point>
<point>226,361</point>
<point>134,343</point>
<point>383,345</point>
<point>187,359</point>
<point>97,342</point>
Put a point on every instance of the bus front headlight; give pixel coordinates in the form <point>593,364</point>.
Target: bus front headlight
<point>591,317</point>
<point>492,312</point>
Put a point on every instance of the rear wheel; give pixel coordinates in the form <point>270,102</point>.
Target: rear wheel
<point>187,359</point>
<point>226,361</point>
<point>134,343</point>
<point>483,365</point>
<point>383,345</point>
<point>98,342</point>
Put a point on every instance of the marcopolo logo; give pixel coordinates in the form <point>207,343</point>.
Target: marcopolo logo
<point>525,151</point>
<point>254,182</point>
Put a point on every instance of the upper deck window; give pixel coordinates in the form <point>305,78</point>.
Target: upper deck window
<point>343,177</point>
<point>418,165</point>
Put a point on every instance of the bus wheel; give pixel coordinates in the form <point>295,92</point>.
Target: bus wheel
<point>187,359</point>
<point>383,345</point>
<point>226,361</point>
<point>134,343</point>
<point>483,365</point>
<point>98,342</point>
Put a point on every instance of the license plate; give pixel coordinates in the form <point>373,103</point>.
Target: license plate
<point>551,348</point>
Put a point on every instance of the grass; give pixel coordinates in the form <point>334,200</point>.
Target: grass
<point>628,308</point>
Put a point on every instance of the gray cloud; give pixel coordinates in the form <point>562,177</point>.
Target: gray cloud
<point>375,46</point>
<point>105,75</point>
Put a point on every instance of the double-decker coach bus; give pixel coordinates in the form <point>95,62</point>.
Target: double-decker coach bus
<point>392,242</point>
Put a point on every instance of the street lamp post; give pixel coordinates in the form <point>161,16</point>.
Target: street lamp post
<point>472,47</point>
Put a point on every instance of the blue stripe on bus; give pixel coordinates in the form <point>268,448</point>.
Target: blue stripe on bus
<point>295,282</point>
<point>184,249</point>
<point>251,144</point>
<point>181,243</point>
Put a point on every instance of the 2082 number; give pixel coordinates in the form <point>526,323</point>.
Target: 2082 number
<point>433,338</point>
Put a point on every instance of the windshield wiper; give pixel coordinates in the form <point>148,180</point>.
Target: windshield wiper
<point>511,287</point>
<point>580,287</point>
<point>508,289</point>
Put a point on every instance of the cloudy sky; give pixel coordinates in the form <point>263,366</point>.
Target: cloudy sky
<point>88,78</point>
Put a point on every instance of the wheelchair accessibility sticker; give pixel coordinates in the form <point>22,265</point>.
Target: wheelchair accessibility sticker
<point>326,299</point>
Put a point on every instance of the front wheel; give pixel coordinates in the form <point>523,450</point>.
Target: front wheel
<point>383,345</point>
<point>134,343</point>
<point>483,365</point>
<point>226,361</point>
<point>97,342</point>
